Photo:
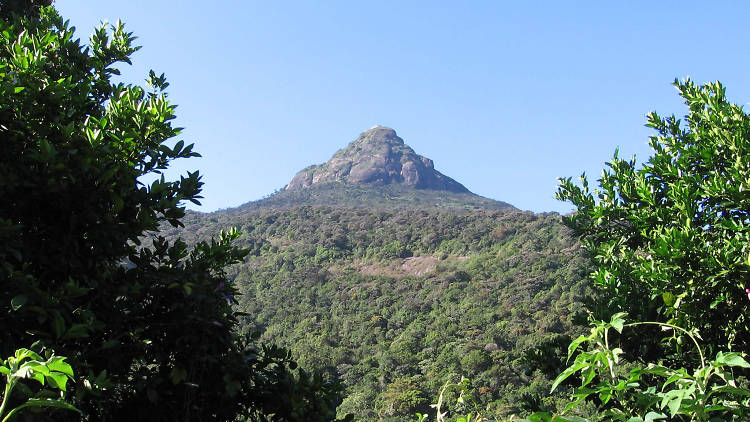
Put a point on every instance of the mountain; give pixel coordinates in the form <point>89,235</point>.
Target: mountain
<point>380,157</point>
<point>376,170</point>
<point>376,270</point>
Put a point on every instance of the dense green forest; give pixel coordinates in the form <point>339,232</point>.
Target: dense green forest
<point>396,303</point>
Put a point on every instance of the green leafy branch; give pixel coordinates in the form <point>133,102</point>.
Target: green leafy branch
<point>704,394</point>
<point>464,395</point>
<point>53,372</point>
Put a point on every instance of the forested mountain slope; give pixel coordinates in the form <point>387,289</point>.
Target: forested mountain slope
<point>395,302</point>
<point>383,273</point>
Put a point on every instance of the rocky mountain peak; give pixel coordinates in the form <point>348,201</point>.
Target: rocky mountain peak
<point>379,134</point>
<point>377,157</point>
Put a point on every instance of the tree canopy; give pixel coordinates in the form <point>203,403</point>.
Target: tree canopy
<point>146,323</point>
<point>670,238</point>
<point>670,245</point>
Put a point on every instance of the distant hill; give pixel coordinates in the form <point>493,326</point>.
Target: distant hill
<point>376,170</point>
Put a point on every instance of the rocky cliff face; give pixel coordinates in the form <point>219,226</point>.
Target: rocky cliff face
<point>379,157</point>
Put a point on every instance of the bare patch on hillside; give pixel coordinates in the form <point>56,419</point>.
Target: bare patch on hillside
<point>415,266</point>
<point>419,265</point>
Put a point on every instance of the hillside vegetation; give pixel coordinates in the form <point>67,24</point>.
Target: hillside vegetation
<point>394,303</point>
<point>392,197</point>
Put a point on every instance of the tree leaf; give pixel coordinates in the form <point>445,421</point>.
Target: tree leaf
<point>652,416</point>
<point>36,402</point>
<point>731,359</point>
<point>17,302</point>
<point>618,321</point>
<point>574,345</point>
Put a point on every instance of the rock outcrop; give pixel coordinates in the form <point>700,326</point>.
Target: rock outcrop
<point>378,157</point>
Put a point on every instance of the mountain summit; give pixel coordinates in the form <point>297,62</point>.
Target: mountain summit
<point>378,157</point>
<point>376,171</point>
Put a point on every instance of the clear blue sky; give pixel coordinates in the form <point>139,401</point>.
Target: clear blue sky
<point>504,96</point>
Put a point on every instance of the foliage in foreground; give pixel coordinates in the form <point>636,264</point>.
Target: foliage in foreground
<point>628,392</point>
<point>146,323</point>
<point>671,239</point>
<point>636,393</point>
<point>52,373</point>
<point>670,243</point>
